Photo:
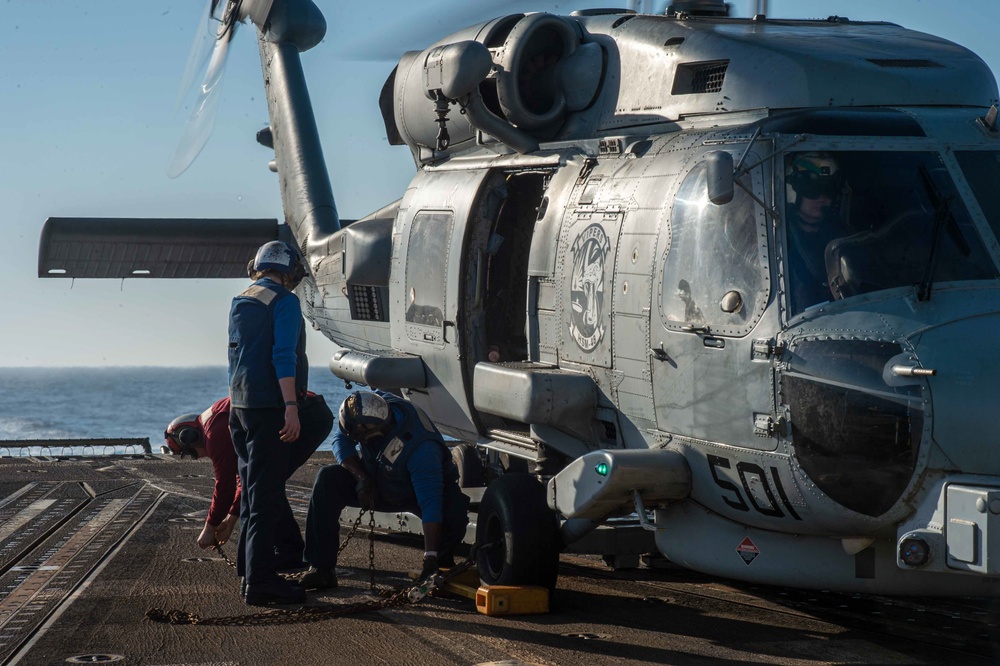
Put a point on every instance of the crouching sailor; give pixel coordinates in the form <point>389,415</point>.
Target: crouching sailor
<point>207,434</point>
<point>392,458</point>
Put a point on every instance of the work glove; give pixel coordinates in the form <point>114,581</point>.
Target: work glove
<point>366,493</point>
<point>430,567</point>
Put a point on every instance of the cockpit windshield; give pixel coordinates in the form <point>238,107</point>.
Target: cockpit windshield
<point>982,170</point>
<point>858,222</point>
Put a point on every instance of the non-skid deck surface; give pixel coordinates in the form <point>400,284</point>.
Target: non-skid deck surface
<point>88,546</point>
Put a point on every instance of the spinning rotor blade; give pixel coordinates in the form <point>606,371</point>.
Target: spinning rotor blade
<point>197,60</point>
<point>202,120</point>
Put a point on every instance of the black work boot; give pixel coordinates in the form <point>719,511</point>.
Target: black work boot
<point>275,592</point>
<point>318,579</point>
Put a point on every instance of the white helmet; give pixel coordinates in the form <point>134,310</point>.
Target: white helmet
<point>364,414</point>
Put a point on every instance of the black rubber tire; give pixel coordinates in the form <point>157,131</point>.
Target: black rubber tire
<point>470,466</point>
<point>514,514</point>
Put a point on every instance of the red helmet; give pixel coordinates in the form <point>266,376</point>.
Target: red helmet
<point>183,435</point>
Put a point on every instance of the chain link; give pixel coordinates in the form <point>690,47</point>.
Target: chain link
<point>354,528</point>
<point>404,596</point>
<point>218,548</point>
<point>282,616</point>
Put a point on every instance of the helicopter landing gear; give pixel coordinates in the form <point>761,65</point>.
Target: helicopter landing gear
<point>471,473</point>
<point>518,534</point>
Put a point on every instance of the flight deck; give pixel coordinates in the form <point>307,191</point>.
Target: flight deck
<point>90,545</point>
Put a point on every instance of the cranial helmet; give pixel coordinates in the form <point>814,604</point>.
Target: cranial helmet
<point>812,175</point>
<point>277,256</point>
<point>183,435</point>
<point>363,414</point>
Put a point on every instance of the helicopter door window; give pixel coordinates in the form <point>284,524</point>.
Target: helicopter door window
<point>426,268</point>
<point>859,222</point>
<point>714,274</point>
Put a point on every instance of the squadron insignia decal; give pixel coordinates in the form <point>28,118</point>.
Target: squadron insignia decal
<point>590,250</point>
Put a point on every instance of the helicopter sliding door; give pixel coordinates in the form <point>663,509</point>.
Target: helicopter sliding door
<point>712,293</point>
<point>426,289</point>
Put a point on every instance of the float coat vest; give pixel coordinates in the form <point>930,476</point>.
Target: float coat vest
<point>252,380</point>
<point>385,458</point>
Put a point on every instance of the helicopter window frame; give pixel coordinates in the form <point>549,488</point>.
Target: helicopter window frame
<point>679,270</point>
<point>428,251</point>
<point>983,191</point>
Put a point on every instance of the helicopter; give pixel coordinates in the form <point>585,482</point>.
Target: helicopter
<point>598,281</point>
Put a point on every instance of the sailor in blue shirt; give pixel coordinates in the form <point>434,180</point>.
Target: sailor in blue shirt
<point>266,379</point>
<point>392,458</point>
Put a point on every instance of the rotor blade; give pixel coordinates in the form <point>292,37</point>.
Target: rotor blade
<point>202,120</point>
<point>415,26</point>
<point>198,56</point>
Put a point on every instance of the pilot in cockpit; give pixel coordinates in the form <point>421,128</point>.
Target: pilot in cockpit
<point>815,190</point>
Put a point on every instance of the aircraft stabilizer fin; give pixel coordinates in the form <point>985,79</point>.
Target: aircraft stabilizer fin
<point>81,247</point>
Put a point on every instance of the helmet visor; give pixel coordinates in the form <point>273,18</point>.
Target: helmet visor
<point>365,430</point>
<point>182,442</point>
<point>815,186</point>
<point>172,443</point>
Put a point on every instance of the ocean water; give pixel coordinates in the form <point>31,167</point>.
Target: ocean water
<point>118,402</point>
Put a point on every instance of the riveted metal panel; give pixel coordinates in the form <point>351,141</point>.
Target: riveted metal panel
<point>704,385</point>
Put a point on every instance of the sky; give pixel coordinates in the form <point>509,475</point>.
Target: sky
<point>88,125</point>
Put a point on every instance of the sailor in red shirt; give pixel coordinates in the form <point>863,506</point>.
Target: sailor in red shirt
<point>207,433</point>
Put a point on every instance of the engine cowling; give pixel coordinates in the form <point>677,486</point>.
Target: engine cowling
<point>542,70</point>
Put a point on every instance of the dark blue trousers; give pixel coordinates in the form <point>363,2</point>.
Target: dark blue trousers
<point>264,464</point>
<point>263,467</point>
<point>334,489</point>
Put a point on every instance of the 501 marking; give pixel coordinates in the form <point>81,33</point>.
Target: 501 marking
<point>746,471</point>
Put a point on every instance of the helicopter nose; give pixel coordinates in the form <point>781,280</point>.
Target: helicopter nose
<point>964,390</point>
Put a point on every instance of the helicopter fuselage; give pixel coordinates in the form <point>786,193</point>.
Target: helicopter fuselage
<point>585,295</point>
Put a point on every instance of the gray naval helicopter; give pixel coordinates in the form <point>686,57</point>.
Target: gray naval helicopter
<point>737,278</point>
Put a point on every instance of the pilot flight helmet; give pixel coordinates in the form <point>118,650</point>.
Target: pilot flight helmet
<point>364,414</point>
<point>813,175</point>
<point>278,256</point>
<point>183,435</point>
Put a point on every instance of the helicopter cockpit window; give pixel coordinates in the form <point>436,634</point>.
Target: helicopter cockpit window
<point>426,263</point>
<point>714,274</point>
<point>858,222</point>
<point>982,170</point>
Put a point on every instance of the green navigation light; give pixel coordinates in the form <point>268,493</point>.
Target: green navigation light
<point>601,468</point>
